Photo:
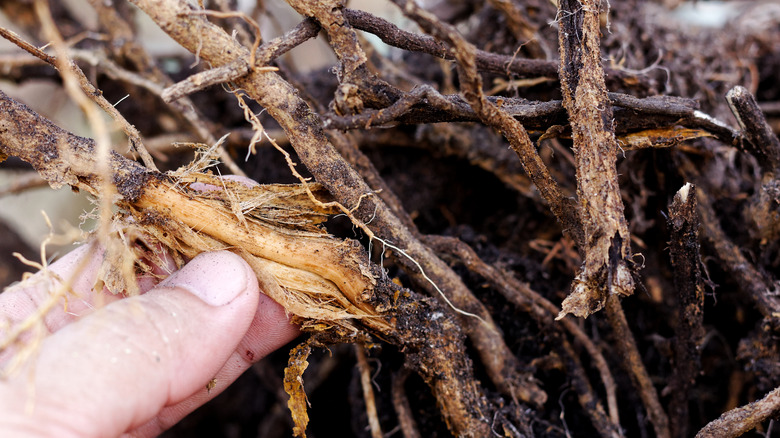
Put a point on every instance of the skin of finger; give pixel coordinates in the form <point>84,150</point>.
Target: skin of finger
<point>116,369</point>
<point>22,300</point>
<point>270,330</point>
<point>25,298</point>
<point>81,266</point>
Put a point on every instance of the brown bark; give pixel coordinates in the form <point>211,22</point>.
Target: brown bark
<point>607,269</point>
<point>685,259</point>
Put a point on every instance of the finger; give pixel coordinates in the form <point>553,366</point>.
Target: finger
<point>115,369</point>
<point>270,330</point>
<point>24,299</point>
<point>77,270</point>
<point>82,266</point>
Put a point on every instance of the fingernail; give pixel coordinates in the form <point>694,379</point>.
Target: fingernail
<point>215,277</point>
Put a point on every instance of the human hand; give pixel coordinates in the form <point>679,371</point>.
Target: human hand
<point>136,365</point>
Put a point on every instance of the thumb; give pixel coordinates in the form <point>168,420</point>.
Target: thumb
<point>118,367</point>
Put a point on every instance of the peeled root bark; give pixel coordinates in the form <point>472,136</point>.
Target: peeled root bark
<point>324,281</point>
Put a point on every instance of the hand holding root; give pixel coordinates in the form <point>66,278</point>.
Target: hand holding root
<point>138,364</point>
<point>323,282</point>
